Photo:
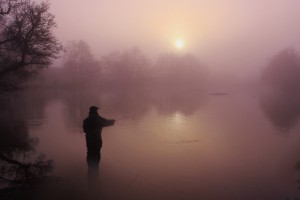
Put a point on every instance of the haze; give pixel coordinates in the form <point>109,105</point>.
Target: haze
<point>198,99</point>
<point>227,35</point>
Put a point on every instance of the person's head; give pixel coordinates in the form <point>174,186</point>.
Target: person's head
<point>93,110</point>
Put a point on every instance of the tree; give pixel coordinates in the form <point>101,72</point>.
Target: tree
<point>27,43</point>
<point>283,71</point>
<point>7,5</point>
<point>80,64</point>
<point>126,69</point>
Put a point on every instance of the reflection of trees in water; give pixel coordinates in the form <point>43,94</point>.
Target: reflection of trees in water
<point>282,73</point>
<point>18,162</point>
<point>282,109</point>
<point>28,104</point>
<point>122,103</point>
<point>18,171</point>
<point>77,103</point>
<point>131,104</point>
<point>280,97</point>
<point>33,105</point>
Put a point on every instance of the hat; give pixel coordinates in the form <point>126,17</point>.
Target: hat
<point>94,108</point>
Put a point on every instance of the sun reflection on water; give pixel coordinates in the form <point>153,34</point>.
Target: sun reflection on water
<point>177,121</point>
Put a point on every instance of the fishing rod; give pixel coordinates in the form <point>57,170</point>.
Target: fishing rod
<point>127,117</point>
<point>117,117</point>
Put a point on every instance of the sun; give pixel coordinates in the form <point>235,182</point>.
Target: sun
<point>179,43</point>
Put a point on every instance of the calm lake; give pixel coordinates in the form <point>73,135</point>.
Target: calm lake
<point>171,145</point>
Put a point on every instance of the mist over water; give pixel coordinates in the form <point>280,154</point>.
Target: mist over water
<point>175,145</point>
<point>204,94</point>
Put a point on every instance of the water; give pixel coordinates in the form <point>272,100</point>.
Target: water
<point>176,145</point>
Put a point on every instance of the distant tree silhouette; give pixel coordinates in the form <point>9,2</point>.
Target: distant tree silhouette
<point>80,64</point>
<point>283,71</point>
<point>126,69</point>
<point>280,97</point>
<point>27,43</point>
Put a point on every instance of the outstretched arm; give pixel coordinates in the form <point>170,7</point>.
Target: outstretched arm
<point>107,122</point>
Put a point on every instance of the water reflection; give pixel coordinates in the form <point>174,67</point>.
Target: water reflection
<point>18,163</point>
<point>185,102</point>
<point>127,104</point>
<point>205,141</point>
<point>281,108</point>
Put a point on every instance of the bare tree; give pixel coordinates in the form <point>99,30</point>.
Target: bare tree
<point>80,65</point>
<point>129,68</point>
<point>19,164</point>
<point>27,43</point>
<point>7,5</point>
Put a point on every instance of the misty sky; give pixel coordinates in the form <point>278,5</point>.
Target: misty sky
<point>224,34</point>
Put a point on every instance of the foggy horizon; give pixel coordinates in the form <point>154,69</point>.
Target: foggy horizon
<point>149,100</point>
<point>226,35</point>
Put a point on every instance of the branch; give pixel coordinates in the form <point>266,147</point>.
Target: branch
<point>3,12</point>
<point>9,181</point>
<point>11,69</point>
<point>10,161</point>
<point>5,41</point>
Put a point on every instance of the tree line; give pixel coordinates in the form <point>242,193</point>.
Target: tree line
<point>123,69</point>
<point>27,43</point>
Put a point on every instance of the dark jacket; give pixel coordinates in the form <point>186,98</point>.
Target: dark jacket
<point>93,125</point>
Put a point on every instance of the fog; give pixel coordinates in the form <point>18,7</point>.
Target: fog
<point>195,99</point>
<point>235,36</point>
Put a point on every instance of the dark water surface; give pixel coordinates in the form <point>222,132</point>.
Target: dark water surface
<point>174,145</point>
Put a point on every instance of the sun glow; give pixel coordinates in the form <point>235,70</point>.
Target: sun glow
<point>179,43</point>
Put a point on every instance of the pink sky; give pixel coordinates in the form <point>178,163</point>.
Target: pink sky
<point>237,34</point>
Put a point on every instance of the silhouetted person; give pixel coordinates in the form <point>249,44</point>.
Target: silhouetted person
<point>92,126</point>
